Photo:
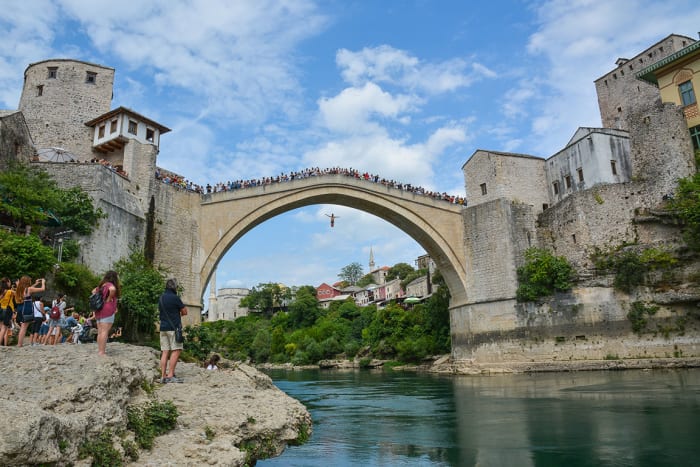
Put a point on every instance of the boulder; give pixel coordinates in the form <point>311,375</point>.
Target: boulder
<point>56,398</point>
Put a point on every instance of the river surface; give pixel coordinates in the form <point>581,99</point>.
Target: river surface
<point>613,418</point>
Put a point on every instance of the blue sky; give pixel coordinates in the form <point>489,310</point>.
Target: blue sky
<point>404,89</point>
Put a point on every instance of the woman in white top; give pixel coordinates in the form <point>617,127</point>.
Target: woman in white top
<point>39,318</point>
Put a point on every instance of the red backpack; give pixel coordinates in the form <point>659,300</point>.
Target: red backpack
<point>55,313</point>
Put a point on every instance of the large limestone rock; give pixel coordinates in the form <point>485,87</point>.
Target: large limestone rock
<point>54,398</point>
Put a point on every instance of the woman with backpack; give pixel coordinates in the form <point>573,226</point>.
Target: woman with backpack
<point>25,308</point>
<point>7,307</point>
<point>110,290</point>
<point>57,319</point>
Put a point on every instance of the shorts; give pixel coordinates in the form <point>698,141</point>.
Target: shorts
<point>55,322</point>
<point>35,325</point>
<point>167,341</point>
<point>44,329</point>
<point>8,318</point>
<point>108,319</point>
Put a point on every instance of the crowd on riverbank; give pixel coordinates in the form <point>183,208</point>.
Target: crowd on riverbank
<point>182,183</point>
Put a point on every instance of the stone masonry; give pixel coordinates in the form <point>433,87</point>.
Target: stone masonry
<point>511,207</point>
<point>618,90</point>
<point>59,96</point>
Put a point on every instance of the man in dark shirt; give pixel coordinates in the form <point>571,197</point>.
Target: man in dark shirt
<point>171,309</point>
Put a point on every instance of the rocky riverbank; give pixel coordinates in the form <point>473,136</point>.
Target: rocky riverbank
<point>55,399</point>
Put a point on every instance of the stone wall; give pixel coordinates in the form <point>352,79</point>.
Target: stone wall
<point>124,227</point>
<point>495,235</point>
<point>660,146</point>
<point>15,140</point>
<point>619,92</point>
<point>140,166</point>
<point>586,324</point>
<point>56,108</point>
<point>517,177</point>
<point>591,151</point>
<point>176,230</point>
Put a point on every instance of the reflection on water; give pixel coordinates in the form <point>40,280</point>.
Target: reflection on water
<point>630,418</point>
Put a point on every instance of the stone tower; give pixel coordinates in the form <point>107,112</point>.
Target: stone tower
<point>620,92</point>
<point>59,96</point>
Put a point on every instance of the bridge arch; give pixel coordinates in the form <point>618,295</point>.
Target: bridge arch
<point>436,225</point>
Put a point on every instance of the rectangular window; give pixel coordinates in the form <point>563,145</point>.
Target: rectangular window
<point>150,134</point>
<point>113,126</point>
<point>483,188</point>
<point>613,166</point>
<point>567,180</point>
<point>53,72</point>
<point>91,77</point>
<point>40,90</point>
<point>133,127</point>
<point>695,136</point>
<point>687,94</point>
<point>555,185</point>
<point>101,132</point>
<point>579,171</point>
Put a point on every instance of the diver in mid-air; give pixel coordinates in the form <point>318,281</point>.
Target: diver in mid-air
<point>333,218</point>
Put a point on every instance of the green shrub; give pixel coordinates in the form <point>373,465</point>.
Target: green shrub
<point>101,450</point>
<point>151,420</point>
<point>639,315</point>
<point>303,436</point>
<point>542,275</point>
<point>630,267</point>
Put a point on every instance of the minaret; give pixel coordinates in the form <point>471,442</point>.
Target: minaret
<point>213,312</point>
<point>371,260</point>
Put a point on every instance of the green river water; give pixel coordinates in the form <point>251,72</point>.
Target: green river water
<point>613,418</point>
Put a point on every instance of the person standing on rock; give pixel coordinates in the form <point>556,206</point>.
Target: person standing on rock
<point>111,290</point>
<point>7,307</point>
<point>171,310</point>
<point>25,311</point>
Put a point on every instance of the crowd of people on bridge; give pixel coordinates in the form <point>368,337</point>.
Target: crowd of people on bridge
<point>184,184</point>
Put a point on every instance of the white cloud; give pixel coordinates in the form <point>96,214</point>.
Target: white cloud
<point>579,40</point>
<point>350,111</point>
<point>389,65</point>
<point>26,31</point>
<point>239,56</point>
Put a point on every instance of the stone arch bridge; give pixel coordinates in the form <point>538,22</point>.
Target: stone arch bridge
<point>435,224</point>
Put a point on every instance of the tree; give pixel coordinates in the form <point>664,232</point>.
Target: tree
<point>141,287</point>
<point>29,196</point>
<point>365,280</point>
<point>24,254</point>
<point>76,211</point>
<point>303,311</point>
<point>686,205</point>
<point>351,273</point>
<point>26,195</point>
<point>400,270</point>
<point>266,297</point>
